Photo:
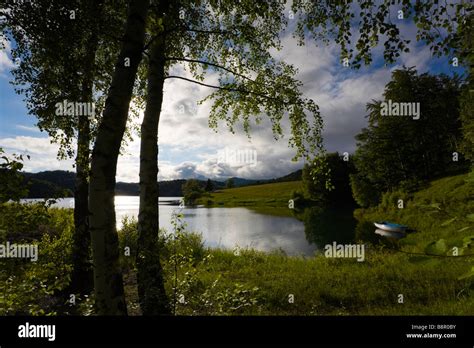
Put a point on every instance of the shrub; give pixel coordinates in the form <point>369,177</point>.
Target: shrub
<point>391,199</point>
<point>128,237</point>
<point>34,288</point>
<point>364,193</point>
<point>192,190</point>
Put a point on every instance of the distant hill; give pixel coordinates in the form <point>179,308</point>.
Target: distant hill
<point>295,176</point>
<point>170,188</point>
<point>60,178</point>
<point>60,183</point>
<point>54,183</point>
<point>238,182</point>
<point>127,189</point>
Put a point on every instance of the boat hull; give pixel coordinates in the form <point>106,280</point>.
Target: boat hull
<point>390,234</point>
<point>390,227</point>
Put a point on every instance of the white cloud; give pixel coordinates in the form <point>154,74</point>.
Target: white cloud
<point>43,154</point>
<point>28,128</point>
<point>6,63</point>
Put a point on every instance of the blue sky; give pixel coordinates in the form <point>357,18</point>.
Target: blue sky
<point>188,148</point>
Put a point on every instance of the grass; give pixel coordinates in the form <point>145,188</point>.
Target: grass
<point>267,195</point>
<point>322,286</point>
<point>441,211</point>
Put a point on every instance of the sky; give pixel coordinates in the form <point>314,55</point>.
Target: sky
<point>188,148</point>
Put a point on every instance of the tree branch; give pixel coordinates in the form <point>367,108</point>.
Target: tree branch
<point>210,64</point>
<point>230,89</point>
<point>201,31</point>
<point>182,28</point>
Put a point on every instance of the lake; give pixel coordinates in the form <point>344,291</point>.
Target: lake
<point>301,234</point>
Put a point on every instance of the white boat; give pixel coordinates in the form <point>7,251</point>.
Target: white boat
<point>390,226</point>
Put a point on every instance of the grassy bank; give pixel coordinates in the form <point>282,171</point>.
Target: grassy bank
<point>444,210</point>
<point>274,195</point>
<point>270,199</point>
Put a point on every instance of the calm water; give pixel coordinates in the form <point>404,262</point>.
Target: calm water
<point>241,227</point>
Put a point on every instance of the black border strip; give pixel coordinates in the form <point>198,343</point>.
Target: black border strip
<point>240,330</point>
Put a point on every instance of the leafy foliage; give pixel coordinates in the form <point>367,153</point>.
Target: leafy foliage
<point>441,25</point>
<point>365,193</point>
<point>54,59</point>
<point>230,183</point>
<point>33,288</point>
<point>315,181</point>
<point>209,186</point>
<point>235,41</point>
<point>401,152</point>
<point>11,180</point>
<point>192,190</point>
<point>467,96</point>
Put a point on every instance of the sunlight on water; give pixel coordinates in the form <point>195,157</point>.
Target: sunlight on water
<point>223,227</point>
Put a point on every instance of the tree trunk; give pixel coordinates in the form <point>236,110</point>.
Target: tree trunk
<point>82,280</point>
<point>108,283</point>
<point>82,277</point>
<point>151,290</point>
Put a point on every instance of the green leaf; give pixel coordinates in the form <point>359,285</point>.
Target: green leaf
<point>467,275</point>
<point>436,248</point>
<point>470,217</point>
<point>467,242</point>
<point>447,222</point>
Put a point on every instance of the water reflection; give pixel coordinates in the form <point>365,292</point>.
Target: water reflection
<point>304,233</point>
<point>325,226</point>
<point>230,227</point>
